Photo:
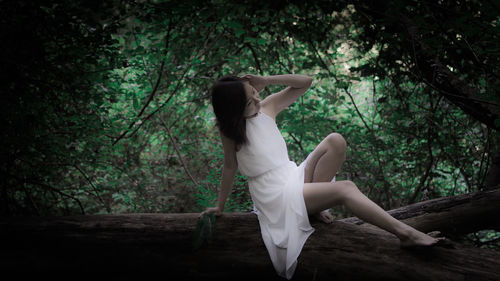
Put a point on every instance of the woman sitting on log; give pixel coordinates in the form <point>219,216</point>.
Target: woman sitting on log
<point>283,193</point>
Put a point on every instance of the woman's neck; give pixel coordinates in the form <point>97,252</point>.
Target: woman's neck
<point>252,116</point>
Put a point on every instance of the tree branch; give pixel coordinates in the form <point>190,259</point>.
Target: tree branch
<point>174,144</point>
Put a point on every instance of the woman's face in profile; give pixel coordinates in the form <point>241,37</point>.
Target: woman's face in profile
<point>252,106</point>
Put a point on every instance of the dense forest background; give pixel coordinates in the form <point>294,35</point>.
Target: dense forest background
<point>106,107</point>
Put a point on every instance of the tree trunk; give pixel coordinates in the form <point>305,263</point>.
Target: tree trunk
<point>162,244</point>
<point>493,178</point>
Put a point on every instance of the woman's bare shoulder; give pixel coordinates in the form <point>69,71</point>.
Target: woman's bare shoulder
<point>268,110</point>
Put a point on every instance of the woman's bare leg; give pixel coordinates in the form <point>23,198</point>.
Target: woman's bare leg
<point>326,159</point>
<point>323,164</point>
<point>319,196</point>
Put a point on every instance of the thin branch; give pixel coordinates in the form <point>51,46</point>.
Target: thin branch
<point>160,72</point>
<point>344,88</point>
<point>424,177</point>
<point>446,79</point>
<point>93,187</point>
<point>483,156</point>
<point>186,70</point>
<point>171,96</point>
<point>48,187</point>
<point>254,54</point>
<point>375,153</point>
<point>174,144</point>
<point>468,98</point>
<point>28,194</point>
<point>486,170</point>
<point>299,143</point>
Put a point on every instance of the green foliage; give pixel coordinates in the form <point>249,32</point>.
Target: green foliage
<point>484,239</point>
<point>107,107</point>
<point>204,231</point>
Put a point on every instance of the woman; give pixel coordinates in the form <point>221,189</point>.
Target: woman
<point>284,194</point>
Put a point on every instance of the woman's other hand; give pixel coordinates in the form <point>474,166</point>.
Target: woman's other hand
<point>213,210</point>
<point>258,82</point>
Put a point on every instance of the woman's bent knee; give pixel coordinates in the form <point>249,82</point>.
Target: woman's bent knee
<point>350,184</point>
<point>348,189</point>
<point>337,141</point>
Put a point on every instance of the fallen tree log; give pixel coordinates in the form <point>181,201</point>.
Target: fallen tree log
<point>162,244</point>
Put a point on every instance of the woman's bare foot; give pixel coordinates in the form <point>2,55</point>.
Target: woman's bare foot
<point>324,216</point>
<point>414,238</point>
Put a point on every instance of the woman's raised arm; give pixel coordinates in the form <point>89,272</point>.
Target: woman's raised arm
<point>297,86</point>
<point>293,80</point>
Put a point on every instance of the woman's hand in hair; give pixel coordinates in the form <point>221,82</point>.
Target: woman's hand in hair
<point>213,210</point>
<point>256,81</point>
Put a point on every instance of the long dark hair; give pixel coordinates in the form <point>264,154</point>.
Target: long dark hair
<point>228,101</point>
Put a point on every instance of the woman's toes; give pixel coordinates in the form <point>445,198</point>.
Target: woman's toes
<point>328,217</point>
<point>325,216</point>
<point>434,234</point>
<point>418,239</point>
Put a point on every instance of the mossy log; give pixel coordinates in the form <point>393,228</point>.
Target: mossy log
<point>163,244</point>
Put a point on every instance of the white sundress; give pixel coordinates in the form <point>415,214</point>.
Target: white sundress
<point>275,185</point>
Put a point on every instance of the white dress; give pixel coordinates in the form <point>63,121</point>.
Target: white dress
<point>275,185</point>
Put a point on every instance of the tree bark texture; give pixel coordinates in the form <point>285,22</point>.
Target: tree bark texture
<point>162,244</point>
<point>493,178</point>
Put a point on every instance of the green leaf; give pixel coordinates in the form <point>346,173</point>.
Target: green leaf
<point>135,103</point>
<point>204,232</point>
<point>235,25</point>
<point>239,32</point>
<point>497,122</point>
